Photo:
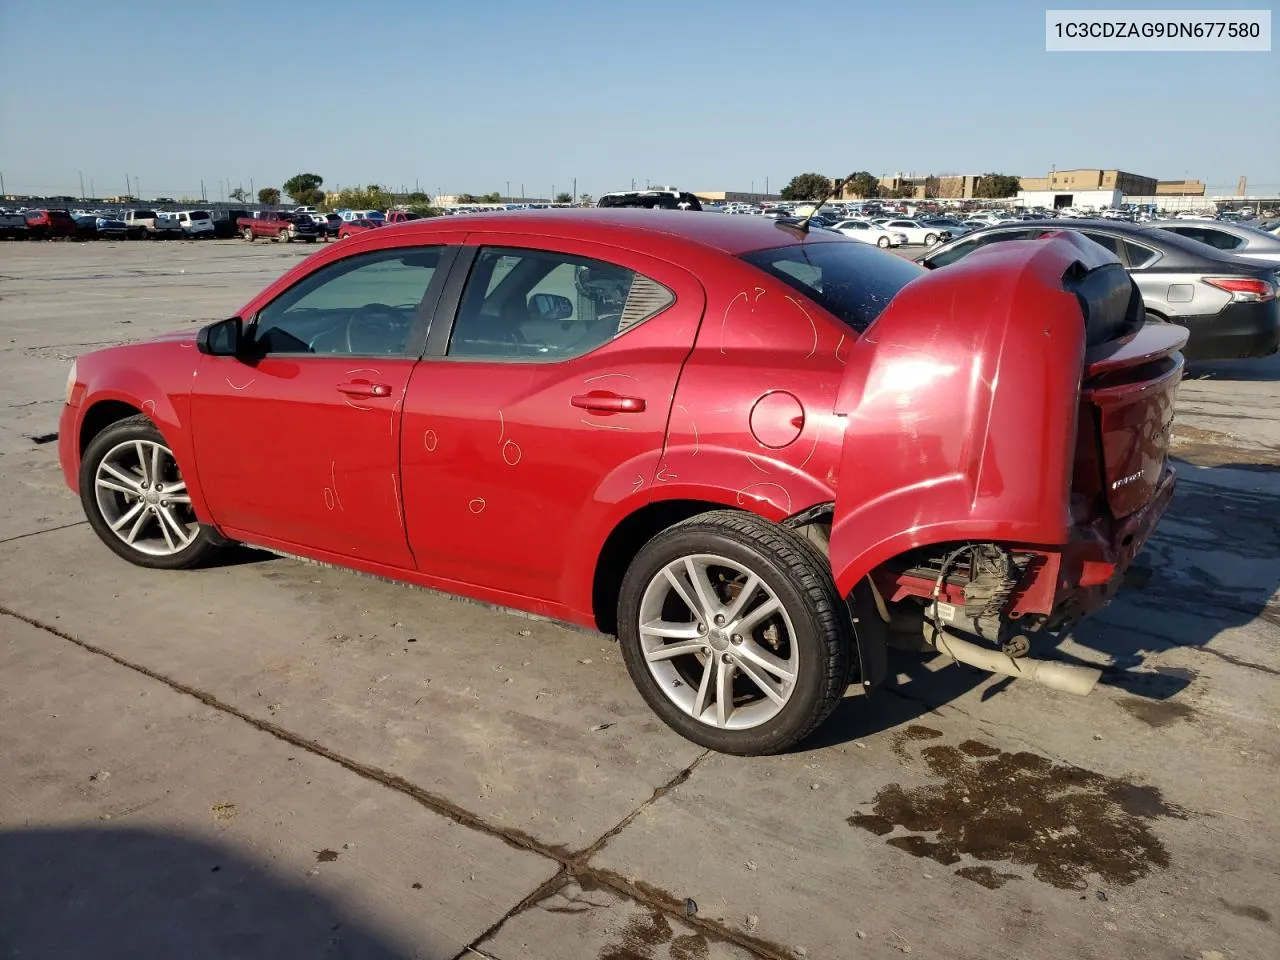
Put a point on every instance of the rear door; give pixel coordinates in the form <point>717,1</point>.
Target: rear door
<point>539,413</point>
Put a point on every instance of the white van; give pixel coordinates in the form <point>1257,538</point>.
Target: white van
<point>194,223</point>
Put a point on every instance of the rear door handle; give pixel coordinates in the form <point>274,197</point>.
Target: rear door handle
<point>363,388</point>
<point>604,401</point>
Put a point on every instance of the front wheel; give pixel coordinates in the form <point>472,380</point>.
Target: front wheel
<point>247,234</point>
<point>136,500</point>
<point>930,239</point>
<point>883,243</point>
<point>731,628</point>
<point>285,236</point>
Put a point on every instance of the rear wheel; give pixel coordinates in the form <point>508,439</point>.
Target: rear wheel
<point>136,500</point>
<point>285,236</point>
<point>732,630</point>
<point>930,239</point>
<point>247,234</point>
<point>883,243</point>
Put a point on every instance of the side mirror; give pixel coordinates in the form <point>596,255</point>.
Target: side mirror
<point>550,306</point>
<point>222,339</point>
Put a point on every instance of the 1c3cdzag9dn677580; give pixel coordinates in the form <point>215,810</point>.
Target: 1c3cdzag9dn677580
<point>753,452</point>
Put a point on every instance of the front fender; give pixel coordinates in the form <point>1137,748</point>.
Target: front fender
<point>165,399</point>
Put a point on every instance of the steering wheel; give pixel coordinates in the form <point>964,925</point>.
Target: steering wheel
<point>375,328</point>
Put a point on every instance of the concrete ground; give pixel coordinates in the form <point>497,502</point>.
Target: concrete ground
<point>273,759</point>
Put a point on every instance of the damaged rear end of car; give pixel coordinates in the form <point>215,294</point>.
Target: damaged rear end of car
<point>1004,457</point>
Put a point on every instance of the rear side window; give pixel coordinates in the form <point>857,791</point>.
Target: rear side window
<point>536,305</point>
<point>200,215</point>
<point>851,280</point>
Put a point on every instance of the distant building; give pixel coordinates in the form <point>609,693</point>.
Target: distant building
<point>734,196</point>
<point>1180,188</point>
<point>1088,179</point>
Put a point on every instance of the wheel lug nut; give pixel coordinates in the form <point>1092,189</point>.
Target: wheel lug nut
<point>702,628</point>
<point>159,487</point>
<point>164,503</point>
<point>725,658</point>
<point>737,638</point>
<point>719,620</point>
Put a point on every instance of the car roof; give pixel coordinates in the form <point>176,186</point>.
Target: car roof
<point>622,226</point>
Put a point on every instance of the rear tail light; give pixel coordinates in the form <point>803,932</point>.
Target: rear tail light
<point>1244,289</point>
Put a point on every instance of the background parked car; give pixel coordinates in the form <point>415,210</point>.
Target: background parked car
<point>350,228</point>
<point>1239,239</point>
<point>111,227</point>
<point>86,225</point>
<point>224,222</point>
<point>195,223</point>
<point>951,225</point>
<point>278,225</point>
<point>13,226</point>
<point>917,232</point>
<point>869,232</point>
<point>1227,303</point>
<point>50,224</point>
<point>150,225</point>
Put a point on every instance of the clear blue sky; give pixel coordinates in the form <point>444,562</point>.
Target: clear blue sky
<point>467,96</point>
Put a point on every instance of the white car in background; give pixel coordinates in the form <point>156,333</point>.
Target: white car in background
<point>194,223</point>
<point>915,231</point>
<point>869,232</point>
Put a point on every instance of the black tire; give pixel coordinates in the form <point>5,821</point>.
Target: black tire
<point>930,239</point>
<point>884,243</point>
<point>203,546</point>
<point>799,576</point>
<point>284,236</point>
<point>247,234</point>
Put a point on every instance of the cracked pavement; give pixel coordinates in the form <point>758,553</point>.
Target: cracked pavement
<point>272,758</point>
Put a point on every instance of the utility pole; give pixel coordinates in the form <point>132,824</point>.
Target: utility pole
<point>508,199</point>
<point>81,172</point>
<point>203,198</point>
<point>92,190</point>
<point>128,190</point>
<point>522,193</point>
<point>766,186</point>
<point>575,190</point>
<point>2,190</point>
<point>251,193</point>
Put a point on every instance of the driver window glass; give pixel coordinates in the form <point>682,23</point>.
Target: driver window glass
<point>540,306</point>
<point>364,305</point>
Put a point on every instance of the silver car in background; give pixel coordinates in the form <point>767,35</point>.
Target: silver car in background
<point>1238,239</point>
<point>1229,304</point>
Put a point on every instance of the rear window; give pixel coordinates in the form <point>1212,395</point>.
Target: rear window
<point>199,215</point>
<point>144,214</point>
<point>852,280</point>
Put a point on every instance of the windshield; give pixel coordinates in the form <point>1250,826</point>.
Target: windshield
<point>852,280</point>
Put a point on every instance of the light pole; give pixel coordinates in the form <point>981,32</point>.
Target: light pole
<point>508,200</point>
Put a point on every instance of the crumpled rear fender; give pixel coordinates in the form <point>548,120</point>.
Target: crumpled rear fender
<point>961,406</point>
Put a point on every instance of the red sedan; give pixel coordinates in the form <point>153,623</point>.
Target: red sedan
<point>351,228</point>
<point>744,448</point>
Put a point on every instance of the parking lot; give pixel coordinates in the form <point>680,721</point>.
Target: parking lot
<point>271,758</point>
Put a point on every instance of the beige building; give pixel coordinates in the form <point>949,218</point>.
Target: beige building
<point>1180,188</point>
<point>1090,179</point>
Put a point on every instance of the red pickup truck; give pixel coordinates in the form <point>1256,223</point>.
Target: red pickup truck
<point>285,227</point>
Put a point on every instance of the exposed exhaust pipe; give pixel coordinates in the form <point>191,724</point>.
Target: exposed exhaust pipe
<point>1066,677</point>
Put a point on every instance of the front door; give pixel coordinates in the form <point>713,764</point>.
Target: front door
<point>542,416</point>
<point>297,441</point>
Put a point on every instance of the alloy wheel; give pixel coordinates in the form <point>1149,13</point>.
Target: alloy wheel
<point>718,641</point>
<point>142,497</point>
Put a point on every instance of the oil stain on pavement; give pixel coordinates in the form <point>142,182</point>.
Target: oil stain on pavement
<point>1063,822</point>
<point>648,933</point>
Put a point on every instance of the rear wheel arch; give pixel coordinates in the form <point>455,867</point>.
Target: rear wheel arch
<point>625,541</point>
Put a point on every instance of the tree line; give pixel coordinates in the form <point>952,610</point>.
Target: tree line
<point>305,190</point>
<point>816,186</point>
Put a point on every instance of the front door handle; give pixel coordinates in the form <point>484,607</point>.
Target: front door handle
<point>604,401</point>
<point>363,388</point>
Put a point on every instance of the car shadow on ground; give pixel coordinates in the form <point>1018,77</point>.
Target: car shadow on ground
<point>1212,566</point>
<point>136,894</point>
<point>1259,369</point>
